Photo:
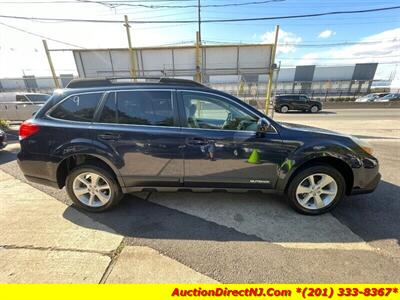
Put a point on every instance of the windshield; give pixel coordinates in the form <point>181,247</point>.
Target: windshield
<point>390,96</point>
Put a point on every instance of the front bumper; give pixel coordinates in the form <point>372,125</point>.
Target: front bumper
<point>369,188</point>
<point>3,141</point>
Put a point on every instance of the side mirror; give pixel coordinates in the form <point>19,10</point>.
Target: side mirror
<point>262,125</point>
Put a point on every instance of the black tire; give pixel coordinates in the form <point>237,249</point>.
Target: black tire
<point>284,109</point>
<point>115,189</point>
<point>299,177</point>
<point>314,109</point>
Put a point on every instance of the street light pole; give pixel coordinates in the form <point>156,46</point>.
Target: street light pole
<point>275,85</point>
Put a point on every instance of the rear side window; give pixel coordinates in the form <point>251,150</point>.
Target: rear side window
<point>295,98</point>
<point>139,108</point>
<point>77,107</point>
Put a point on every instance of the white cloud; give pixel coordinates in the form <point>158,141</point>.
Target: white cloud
<point>309,59</point>
<point>287,40</point>
<point>326,34</point>
<point>383,48</point>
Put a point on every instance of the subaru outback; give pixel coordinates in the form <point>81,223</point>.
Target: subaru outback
<point>103,138</point>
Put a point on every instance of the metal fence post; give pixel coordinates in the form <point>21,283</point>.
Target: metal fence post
<point>53,72</point>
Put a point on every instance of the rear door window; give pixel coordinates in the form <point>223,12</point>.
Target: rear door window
<point>295,98</point>
<point>139,108</point>
<point>109,112</point>
<point>79,108</point>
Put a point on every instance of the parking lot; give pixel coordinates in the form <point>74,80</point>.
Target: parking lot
<point>209,237</point>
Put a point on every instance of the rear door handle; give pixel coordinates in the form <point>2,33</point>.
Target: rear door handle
<point>109,136</point>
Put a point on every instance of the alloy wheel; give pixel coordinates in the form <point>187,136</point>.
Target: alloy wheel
<point>316,191</point>
<point>91,189</point>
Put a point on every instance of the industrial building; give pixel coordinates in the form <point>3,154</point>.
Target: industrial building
<point>226,68</point>
<point>314,80</point>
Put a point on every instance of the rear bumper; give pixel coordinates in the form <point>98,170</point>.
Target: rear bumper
<point>37,168</point>
<point>369,188</point>
<point>42,181</point>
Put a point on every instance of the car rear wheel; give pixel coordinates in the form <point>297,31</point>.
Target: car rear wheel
<point>314,109</point>
<point>93,188</point>
<point>316,190</point>
<point>284,109</point>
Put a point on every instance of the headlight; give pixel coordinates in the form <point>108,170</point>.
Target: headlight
<point>2,133</point>
<point>363,145</point>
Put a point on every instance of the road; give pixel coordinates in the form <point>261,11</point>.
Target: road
<point>258,238</point>
<point>366,123</point>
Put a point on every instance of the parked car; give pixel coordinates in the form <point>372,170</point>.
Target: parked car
<point>286,102</point>
<point>101,140</point>
<point>371,97</point>
<point>20,106</point>
<point>3,139</point>
<point>389,97</point>
<point>32,98</point>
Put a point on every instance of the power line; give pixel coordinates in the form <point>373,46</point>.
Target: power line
<point>206,21</point>
<point>313,24</point>
<point>39,35</point>
<point>121,3</point>
<point>316,44</point>
<point>77,1</point>
<point>114,4</point>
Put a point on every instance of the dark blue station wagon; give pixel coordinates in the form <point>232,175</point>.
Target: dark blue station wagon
<point>103,138</point>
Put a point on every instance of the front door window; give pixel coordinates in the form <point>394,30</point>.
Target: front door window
<point>212,112</point>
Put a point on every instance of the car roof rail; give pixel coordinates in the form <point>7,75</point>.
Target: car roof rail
<point>116,81</point>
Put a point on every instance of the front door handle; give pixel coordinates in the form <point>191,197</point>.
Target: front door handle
<point>197,141</point>
<point>109,136</point>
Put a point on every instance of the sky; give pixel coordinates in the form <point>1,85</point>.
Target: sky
<point>368,37</point>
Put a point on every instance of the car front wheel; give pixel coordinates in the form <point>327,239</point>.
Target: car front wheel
<point>314,109</point>
<point>93,188</point>
<point>316,190</point>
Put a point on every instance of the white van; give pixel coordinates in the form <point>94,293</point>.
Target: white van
<point>16,106</point>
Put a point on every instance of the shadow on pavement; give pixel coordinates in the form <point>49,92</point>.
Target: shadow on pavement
<point>136,217</point>
<point>258,217</point>
<point>373,216</point>
<point>9,153</point>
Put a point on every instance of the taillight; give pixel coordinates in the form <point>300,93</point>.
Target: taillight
<point>27,129</point>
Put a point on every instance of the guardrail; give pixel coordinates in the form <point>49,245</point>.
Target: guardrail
<point>355,105</point>
<point>260,104</point>
<point>18,111</point>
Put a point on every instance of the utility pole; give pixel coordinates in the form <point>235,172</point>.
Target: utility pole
<point>271,71</point>
<point>199,19</point>
<point>275,84</point>
<point>131,52</point>
<point>53,72</point>
<point>198,58</point>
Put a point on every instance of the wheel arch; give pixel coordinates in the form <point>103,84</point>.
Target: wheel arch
<point>73,160</point>
<point>334,162</point>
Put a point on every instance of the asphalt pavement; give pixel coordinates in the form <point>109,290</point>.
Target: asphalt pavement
<point>258,238</point>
